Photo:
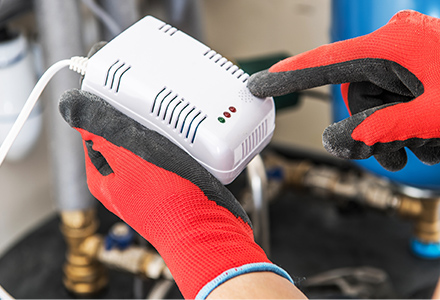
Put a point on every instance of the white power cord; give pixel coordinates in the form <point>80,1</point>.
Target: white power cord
<point>77,64</point>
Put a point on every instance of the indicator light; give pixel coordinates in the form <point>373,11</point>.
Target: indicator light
<point>221,120</point>
<point>226,114</point>
<point>232,109</point>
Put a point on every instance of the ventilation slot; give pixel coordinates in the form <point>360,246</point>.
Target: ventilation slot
<point>254,139</point>
<point>190,125</point>
<point>187,122</point>
<point>114,75</point>
<point>179,114</point>
<point>168,29</point>
<point>163,103</point>
<point>227,65</point>
<point>181,117</point>
<point>196,128</point>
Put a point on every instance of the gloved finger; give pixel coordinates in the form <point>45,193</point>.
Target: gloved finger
<point>384,129</point>
<point>337,138</point>
<point>386,74</point>
<point>392,161</point>
<point>412,123</point>
<point>365,58</point>
<point>429,155</point>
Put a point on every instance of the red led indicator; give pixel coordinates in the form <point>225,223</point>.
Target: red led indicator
<point>226,114</point>
<point>232,109</point>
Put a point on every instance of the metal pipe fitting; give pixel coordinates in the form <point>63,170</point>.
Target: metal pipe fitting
<point>425,214</point>
<point>332,182</point>
<point>82,276</point>
<point>366,189</point>
<point>133,259</point>
<point>410,207</point>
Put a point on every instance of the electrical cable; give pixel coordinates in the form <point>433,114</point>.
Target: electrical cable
<point>77,64</point>
<point>105,18</point>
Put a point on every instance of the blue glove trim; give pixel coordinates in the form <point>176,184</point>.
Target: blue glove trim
<point>426,250</point>
<point>231,273</point>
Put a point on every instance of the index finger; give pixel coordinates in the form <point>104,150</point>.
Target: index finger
<point>336,63</point>
<point>353,60</point>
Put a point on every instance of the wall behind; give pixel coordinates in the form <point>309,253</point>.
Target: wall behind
<point>242,29</point>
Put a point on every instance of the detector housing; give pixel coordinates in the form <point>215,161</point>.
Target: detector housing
<point>179,87</point>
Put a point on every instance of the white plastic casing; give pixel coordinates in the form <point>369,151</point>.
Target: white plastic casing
<point>177,86</point>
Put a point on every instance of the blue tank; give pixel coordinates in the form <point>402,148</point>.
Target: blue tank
<point>351,18</point>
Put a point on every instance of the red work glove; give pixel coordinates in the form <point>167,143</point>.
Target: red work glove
<point>195,223</point>
<point>391,87</point>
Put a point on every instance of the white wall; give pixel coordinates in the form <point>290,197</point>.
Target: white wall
<point>250,28</point>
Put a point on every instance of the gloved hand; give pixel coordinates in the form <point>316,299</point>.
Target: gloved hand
<point>194,222</point>
<point>391,86</point>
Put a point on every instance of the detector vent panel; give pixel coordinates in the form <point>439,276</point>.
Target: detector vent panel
<point>177,86</point>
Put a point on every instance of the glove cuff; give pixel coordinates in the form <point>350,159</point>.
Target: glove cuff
<point>231,273</point>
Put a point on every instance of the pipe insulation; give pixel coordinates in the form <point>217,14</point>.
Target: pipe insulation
<point>59,24</point>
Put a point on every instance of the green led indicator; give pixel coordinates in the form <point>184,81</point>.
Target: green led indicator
<point>221,120</point>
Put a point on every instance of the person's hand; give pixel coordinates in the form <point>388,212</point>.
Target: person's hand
<point>195,223</point>
<point>391,85</point>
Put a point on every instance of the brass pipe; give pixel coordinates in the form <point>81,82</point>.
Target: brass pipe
<point>425,214</point>
<point>82,275</point>
<point>410,207</point>
<point>133,259</point>
<point>428,228</point>
<point>364,188</point>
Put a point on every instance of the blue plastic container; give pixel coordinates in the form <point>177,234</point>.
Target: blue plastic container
<point>351,18</point>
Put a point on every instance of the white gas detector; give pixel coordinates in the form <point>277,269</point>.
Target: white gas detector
<point>177,86</point>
